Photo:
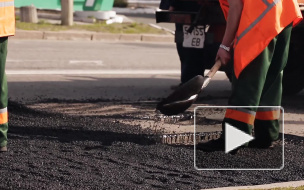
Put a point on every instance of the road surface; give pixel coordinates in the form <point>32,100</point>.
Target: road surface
<point>94,70</point>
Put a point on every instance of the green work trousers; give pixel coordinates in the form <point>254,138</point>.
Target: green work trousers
<point>3,92</point>
<point>260,84</point>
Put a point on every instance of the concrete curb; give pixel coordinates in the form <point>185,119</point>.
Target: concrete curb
<point>266,186</point>
<point>91,36</point>
<point>29,35</point>
<point>67,36</point>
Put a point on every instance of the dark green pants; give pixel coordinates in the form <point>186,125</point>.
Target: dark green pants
<point>3,93</point>
<point>260,84</point>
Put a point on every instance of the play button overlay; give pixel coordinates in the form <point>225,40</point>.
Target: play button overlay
<point>221,154</point>
<point>235,138</point>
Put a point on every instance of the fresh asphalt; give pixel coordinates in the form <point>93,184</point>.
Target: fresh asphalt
<point>59,151</point>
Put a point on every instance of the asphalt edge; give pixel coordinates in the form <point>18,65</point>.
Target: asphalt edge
<point>265,186</point>
<point>91,36</point>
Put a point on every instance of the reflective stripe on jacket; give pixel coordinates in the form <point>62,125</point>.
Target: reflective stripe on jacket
<point>261,21</point>
<point>7,18</point>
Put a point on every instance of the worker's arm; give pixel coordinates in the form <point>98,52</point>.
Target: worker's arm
<point>233,20</point>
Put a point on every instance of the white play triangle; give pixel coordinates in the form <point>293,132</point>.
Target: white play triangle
<point>235,138</point>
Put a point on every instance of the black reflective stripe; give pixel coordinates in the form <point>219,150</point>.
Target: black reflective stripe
<point>269,7</point>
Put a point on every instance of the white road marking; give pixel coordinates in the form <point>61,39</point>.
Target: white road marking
<point>91,72</point>
<point>162,28</point>
<point>80,62</point>
<point>95,72</point>
<point>29,60</point>
<point>74,62</point>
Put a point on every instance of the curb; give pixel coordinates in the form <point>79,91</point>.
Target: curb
<point>91,36</point>
<point>265,186</point>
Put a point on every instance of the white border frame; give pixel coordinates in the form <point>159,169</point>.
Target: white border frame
<point>240,169</point>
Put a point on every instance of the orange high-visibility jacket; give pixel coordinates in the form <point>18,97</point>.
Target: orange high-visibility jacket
<point>7,18</point>
<point>261,21</point>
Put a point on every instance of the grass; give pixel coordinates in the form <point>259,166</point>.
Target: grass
<point>127,28</point>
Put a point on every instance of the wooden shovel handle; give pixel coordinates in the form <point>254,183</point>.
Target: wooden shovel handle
<point>214,69</point>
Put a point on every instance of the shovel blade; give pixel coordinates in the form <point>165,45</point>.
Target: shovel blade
<point>175,108</point>
<point>182,98</point>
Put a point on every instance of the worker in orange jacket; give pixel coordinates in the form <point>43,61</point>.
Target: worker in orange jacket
<point>259,33</point>
<point>7,28</point>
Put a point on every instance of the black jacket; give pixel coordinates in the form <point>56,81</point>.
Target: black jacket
<point>165,4</point>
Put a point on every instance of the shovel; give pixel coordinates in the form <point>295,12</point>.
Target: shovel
<point>185,95</point>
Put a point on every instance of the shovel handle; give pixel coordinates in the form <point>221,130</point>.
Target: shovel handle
<point>214,69</point>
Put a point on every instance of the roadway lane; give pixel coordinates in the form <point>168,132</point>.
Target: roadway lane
<point>40,70</point>
<point>73,55</point>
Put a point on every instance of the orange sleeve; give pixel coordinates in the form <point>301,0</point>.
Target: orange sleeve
<point>225,7</point>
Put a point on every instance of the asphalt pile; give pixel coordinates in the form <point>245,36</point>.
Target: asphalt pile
<point>57,151</point>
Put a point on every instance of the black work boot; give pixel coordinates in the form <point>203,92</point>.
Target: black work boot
<point>262,144</point>
<point>266,133</point>
<point>213,145</point>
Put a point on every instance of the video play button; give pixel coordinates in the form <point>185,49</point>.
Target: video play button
<point>235,138</point>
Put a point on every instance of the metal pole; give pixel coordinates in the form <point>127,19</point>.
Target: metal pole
<point>67,12</point>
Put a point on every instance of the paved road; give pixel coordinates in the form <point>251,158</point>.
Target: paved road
<point>82,70</point>
<point>73,55</point>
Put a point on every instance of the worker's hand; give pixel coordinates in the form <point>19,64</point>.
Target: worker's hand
<point>224,56</point>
